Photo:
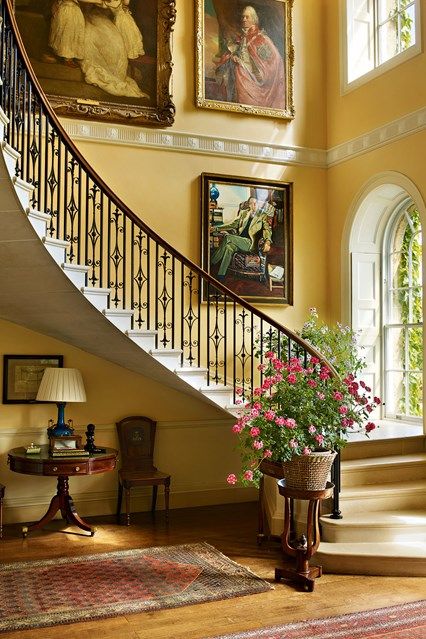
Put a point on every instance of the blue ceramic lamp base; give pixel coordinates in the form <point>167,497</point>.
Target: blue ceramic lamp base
<point>61,429</point>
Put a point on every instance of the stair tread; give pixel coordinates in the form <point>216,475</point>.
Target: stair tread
<point>390,487</point>
<point>191,369</point>
<point>167,351</point>
<point>414,549</point>
<point>390,460</point>
<point>382,518</point>
<point>140,331</point>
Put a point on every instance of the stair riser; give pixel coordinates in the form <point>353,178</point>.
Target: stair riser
<point>39,225</point>
<point>122,322</point>
<point>194,380</point>
<point>10,158</point>
<point>220,398</point>
<point>56,252</point>
<point>99,300</point>
<point>374,449</point>
<point>360,565</point>
<point>340,534</point>
<point>170,361</point>
<point>146,343</point>
<point>23,195</point>
<point>396,501</point>
<point>78,278</point>
<point>388,474</point>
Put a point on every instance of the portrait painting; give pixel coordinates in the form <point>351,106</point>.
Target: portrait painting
<point>102,59</point>
<point>247,240</point>
<point>245,56</point>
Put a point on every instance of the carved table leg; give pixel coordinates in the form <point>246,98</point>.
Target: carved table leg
<point>63,502</point>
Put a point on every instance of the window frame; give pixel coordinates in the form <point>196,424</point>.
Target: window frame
<point>348,86</point>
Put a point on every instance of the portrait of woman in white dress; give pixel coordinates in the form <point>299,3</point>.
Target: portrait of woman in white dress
<point>102,51</point>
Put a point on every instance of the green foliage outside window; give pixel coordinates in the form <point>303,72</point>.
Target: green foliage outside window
<point>403,23</point>
<point>410,300</point>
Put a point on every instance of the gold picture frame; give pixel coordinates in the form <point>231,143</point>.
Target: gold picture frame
<point>119,71</point>
<point>245,57</point>
<point>247,237</point>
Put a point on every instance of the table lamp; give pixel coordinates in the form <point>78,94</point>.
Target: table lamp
<point>61,385</point>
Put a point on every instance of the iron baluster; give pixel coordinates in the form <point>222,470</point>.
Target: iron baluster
<point>336,477</point>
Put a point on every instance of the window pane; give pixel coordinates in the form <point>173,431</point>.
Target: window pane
<point>415,394</point>
<point>385,9</point>
<point>395,348</point>
<point>387,41</point>
<point>395,394</point>
<point>408,27</point>
<point>415,349</point>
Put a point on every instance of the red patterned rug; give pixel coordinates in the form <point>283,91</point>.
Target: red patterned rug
<point>34,594</point>
<point>406,621</point>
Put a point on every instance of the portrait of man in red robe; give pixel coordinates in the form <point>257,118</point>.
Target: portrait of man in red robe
<point>248,65</point>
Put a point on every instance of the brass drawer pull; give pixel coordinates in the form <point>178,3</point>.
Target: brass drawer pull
<point>77,468</point>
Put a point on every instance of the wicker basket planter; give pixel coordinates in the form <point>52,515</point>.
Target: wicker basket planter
<point>305,472</point>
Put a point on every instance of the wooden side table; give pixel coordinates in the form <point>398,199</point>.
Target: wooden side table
<point>63,468</point>
<point>305,546</point>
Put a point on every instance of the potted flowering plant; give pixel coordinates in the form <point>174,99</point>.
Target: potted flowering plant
<point>299,410</point>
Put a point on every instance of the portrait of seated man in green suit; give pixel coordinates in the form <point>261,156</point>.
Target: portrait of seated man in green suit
<point>243,235</point>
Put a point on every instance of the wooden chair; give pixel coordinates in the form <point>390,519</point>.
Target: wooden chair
<point>136,436</point>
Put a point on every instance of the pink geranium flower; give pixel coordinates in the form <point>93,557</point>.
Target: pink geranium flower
<point>231,479</point>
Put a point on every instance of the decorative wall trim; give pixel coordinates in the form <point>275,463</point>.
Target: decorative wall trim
<point>41,431</point>
<point>377,138</point>
<point>246,149</point>
<point>195,143</point>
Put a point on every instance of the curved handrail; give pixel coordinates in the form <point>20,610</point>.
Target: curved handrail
<point>80,202</point>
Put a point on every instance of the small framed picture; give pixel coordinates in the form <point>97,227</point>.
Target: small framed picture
<point>65,443</point>
<point>247,237</point>
<point>22,376</point>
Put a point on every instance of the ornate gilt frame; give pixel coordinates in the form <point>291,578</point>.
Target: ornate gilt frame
<point>287,113</point>
<point>161,114</point>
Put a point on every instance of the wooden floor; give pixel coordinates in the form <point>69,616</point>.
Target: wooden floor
<point>231,529</point>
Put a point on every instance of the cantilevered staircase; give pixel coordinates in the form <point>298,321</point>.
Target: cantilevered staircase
<point>78,265</point>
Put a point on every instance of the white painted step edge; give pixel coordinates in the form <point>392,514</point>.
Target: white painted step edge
<point>76,273</point>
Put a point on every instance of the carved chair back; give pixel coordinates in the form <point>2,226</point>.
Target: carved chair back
<point>136,436</point>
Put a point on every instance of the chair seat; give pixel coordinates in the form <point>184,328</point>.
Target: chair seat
<point>142,476</point>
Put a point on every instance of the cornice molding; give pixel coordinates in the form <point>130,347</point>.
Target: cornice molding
<point>195,143</point>
<point>247,149</point>
<point>377,138</point>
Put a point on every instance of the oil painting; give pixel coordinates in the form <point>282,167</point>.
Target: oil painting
<point>247,236</point>
<point>244,56</point>
<point>102,59</point>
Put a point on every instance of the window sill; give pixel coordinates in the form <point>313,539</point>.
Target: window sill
<point>387,429</point>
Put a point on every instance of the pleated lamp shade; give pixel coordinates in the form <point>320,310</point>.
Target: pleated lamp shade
<point>61,385</point>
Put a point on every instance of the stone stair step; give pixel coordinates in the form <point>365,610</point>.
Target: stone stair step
<point>145,339</point>
<point>76,273</point>
<point>192,375</point>
<point>57,248</point>
<point>218,393</point>
<point>405,495</point>
<point>375,526</point>
<point>388,558</point>
<point>96,296</point>
<point>120,317</point>
<point>11,156</point>
<point>24,191</point>
<point>168,357</point>
<point>383,469</point>
<point>39,221</point>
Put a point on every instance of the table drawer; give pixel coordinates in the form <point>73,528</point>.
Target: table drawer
<point>69,467</point>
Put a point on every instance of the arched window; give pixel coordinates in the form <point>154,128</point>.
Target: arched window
<point>385,275</point>
<point>403,315</point>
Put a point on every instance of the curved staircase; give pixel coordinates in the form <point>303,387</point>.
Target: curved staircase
<point>79,266</point>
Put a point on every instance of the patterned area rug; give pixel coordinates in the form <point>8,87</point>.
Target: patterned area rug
<point>407,621</point>
<point>34,594</point>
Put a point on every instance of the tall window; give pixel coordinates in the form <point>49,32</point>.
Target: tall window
<point>378,32</point>
<point>403,316</point>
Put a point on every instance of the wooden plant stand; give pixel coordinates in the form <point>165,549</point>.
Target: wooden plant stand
<point>305,546</point>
